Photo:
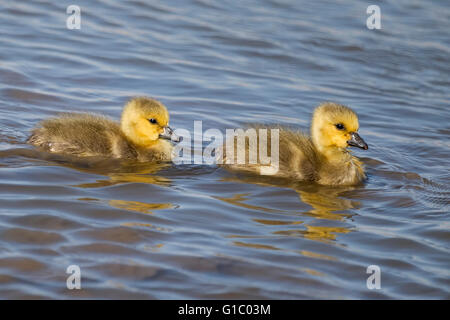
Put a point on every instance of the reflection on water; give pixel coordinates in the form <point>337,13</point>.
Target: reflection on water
<point>119,178</point>
<point>313,272</point>
<point>254,245</point>
<point>118,171</point>
<point>146,225</point>
<point>327,203</point>
<point>237,200</point>
<point>276,222</point>
<point>317,255</point>
<point>141,207</point>
<point>318,233</point>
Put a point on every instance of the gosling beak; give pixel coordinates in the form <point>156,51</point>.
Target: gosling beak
<point>357,141</point>
<point>169,135</point>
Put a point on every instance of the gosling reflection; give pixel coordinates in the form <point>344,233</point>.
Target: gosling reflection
<point>238,200</point>
<point>140,207</point>
<point>123,172</point>
<point>318,233</point>
<point>327,203</point>
<point>117,171</point>
<point>119,178</point>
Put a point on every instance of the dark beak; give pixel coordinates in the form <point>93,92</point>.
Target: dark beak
<point>169,135</point>
<point>357,141</point>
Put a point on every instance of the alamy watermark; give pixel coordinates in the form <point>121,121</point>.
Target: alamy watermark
<point>74,280</point>
<point>237,146</point>
<point>374,20</point>
<point>374,280</point>
<point>74,20</point>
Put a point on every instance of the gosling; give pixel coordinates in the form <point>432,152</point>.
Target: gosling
<point>143,133</point>
<point>322,158</point>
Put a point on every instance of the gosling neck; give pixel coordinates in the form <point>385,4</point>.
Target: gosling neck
<point>138,140</point>
<point>334,154</point>
<point>144,142</point>
<point>136,136</point>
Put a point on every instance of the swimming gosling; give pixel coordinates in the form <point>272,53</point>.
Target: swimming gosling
<point>322,158</point>
<point>143,133</point>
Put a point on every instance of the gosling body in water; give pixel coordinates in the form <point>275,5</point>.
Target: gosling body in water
<point>323,157</point>
<point>143,133</point>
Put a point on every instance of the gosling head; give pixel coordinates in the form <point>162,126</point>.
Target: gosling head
<point>335,126</point>
<point>144,121</point>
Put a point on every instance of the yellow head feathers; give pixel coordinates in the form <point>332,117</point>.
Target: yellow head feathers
<point>144,121</point>
<point>335,126</point>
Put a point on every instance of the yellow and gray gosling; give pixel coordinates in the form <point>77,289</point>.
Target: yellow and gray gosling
<point>143,133</point>
<point>323,157</point>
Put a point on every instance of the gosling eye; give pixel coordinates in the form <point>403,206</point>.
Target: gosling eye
<point>340,126</point>
<point>153,121</point>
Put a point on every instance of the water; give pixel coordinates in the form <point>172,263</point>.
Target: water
<point>196,231</point>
